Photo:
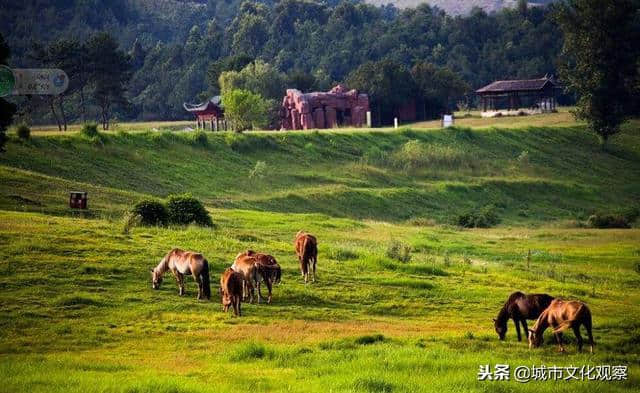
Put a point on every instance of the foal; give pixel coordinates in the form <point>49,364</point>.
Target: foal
<point>231,291</point>
<point>561,315</point>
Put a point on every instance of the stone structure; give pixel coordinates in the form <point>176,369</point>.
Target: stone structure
<point>337,107</point>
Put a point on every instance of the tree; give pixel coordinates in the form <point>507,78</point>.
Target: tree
<point>388,84</point>
<point>110,74</point>
<point>7,109</point>
<point>599,60</point>
<point>258,77</point>
<point>230,63</point>
<point>438,87</point>
<point>245,110</point>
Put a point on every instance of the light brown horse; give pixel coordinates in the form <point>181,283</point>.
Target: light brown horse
<point>231,291</point>
<point>266,270</point>
<point>182,262</point>
<point>246,266</point>
<point>561,315</point>
<point>307,251</point>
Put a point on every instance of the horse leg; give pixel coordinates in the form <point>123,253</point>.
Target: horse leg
<point>559,340</point>
<point>314,268</point>
<point>516,321</point>
<point>524,325</point>
<point>259,293</point>
<point>199,282</point>
<point>576,331</point>
<point>269,287</point>
<point>180,280</point>
<point>587,325</point>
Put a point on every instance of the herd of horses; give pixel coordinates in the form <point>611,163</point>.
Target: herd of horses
<point>238,282</point>
<point>250,269</point>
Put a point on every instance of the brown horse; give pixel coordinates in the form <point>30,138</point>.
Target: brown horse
<point>520,307</point>
<point>231,291</point>
<point>245,265</point>
<point>267,270</point>
<point>180,263</point>
<point>307,251</point>
<point>561,315</point>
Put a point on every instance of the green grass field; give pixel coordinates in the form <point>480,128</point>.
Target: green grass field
<point>79,314</point>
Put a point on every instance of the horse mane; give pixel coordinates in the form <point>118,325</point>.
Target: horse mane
<point>503,315</point>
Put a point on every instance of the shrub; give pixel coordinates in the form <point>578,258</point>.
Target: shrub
<point>23,131</point>
<point>399,251</point>
<point>601,220</point>
<point>259,171</point>
<point>90,130</point>
<point>185,209</point>
<point>200,139</point>
<point>483,218</point>
<point>130,220</point>
<point>150,212</point>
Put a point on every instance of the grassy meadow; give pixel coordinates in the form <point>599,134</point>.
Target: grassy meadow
<point>79,314</point>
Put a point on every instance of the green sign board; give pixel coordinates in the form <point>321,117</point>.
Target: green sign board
<point>7,81</point>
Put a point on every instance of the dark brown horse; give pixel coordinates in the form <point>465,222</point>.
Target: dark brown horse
<point>520,307</point>
<point>182,262</point>
<point>560,316</point>
<point>307,252</point>
<point>231,291</point>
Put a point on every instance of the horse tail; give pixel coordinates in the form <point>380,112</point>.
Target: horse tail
<point>278,275</point>
<point>204,276</point>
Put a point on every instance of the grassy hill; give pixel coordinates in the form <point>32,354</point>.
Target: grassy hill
<point>79,314</point>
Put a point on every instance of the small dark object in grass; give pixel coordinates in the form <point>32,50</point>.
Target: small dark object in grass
<point>604,221</point>
<point>23,131</point>
<point>90,130</point>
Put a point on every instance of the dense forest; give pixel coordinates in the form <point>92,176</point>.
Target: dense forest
<point>177,49</point>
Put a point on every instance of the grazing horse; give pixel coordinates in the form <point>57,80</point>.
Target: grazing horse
<point>520,307</point>
<point>231,291</point>
<point>307,251</point>
<point>182,262</point>
<point>245,265</point>
<point>561,315</point>
<point>266,269</point>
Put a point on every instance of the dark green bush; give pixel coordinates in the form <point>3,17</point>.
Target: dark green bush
<point>483,218</point>
<point>185,209</point>
<point>90,130</point>
<point>200,139</point>
<point>603,220</point>
<point>23,131</point>
<point>151,212</point>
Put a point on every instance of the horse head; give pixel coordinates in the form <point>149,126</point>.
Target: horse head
<point>156,279</point>
<point>501,328</point>
<point>535,339</point>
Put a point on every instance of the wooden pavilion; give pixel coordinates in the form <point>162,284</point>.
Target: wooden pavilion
<point>210,113</point>
<point>536,94</point>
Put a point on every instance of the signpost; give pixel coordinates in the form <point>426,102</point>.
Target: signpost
<point>32,81</point>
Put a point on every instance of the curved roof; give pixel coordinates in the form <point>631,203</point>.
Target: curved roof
<point>215,100</point>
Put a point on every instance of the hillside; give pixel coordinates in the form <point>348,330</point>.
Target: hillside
<point>526,174</point>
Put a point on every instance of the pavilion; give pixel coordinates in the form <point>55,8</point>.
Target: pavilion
<point>210,113</point>
<point>538,95</point>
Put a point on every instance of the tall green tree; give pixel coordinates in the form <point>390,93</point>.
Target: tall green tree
<point>599,60</point>
<point>388,84</point>
<point>110,73</point>
<point>245,110</point>
<point>7,109</point>
<point>438,88</point>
